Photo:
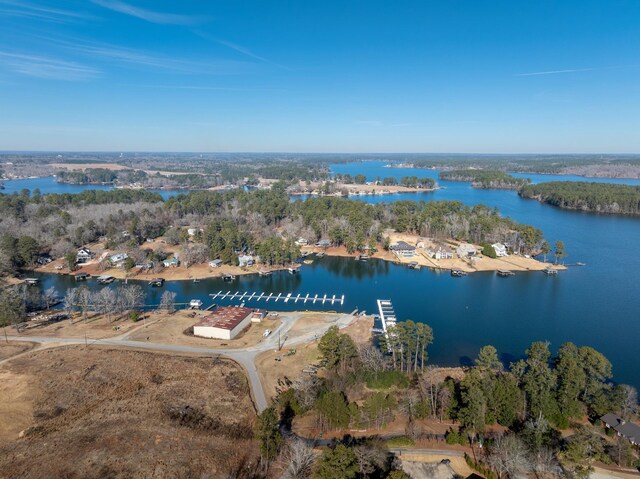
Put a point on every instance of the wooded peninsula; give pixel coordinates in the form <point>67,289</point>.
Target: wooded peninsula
<point>585,196</point>
<point>486,179</point>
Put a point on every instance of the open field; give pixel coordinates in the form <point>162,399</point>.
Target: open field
<point>100,412</point>
<point>11,349</point>
<point>355,189</point>
<point>95,326</point>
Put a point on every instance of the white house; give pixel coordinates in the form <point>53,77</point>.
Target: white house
<point>83,255</point>
<point>118,258</point>
<point>441,252</point>
<point>465,250</point>
<point>225,322</point>
<point>216,263</point>
<point>500,249</point>
<point>245,260</point>
<point>402,248</point>
<point>301,242</point>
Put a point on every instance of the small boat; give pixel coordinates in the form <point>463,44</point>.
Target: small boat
<point>414,265</point>
<point>156,282</point>
<point>31,281</point>
<point>304,254</point>
<point>195,304</point>
<point>580,264</point>
<point>264,273</point>
<point>105,279</point>
<point>550,272</point>
<point>292,270</point>
<point>196,280</point>
<point>458,273</point>
<point>228,277</point>
<point>505,273</point>
<point>308,261</point>
<point>320,254</point>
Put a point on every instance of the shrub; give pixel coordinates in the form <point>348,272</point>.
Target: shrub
<point>478,467</point>
<point>134,316</point>
<point>401,441</point>
<point>386,379</point>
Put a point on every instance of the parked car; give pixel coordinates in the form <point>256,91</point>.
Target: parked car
<point>266,333</point>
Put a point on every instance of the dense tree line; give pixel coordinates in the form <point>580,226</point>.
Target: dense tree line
<point>487,179</point>
<point>533,398</point>
<point>594,197</point>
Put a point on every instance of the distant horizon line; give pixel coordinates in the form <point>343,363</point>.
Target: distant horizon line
<point>169,152</point>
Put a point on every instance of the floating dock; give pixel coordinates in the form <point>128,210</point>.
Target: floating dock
<point>259,296</point>
<point>505,273</point>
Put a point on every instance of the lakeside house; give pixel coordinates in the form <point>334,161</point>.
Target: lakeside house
<point>301,242</point>
<point>402,248</point>
<point>171,263</point>
<point>44,260</point>
<point>466,250</point>
<point>442,252</point>
<point>628,430</point>
<point>216,263</point>
<point>83,255</point>
<point>245,260</point>
<point>500,249</point>
<point>323,243</point>
<point>118,259</point>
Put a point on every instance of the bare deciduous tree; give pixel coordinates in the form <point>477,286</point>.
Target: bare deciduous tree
<point>298,456</point>
<point>509,456</point>
<point>168,302</point>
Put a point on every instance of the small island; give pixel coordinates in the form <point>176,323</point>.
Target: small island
<point>485,179</point>
<point>584,196</point>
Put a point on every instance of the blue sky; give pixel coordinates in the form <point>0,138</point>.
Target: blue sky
<point>310,76</point>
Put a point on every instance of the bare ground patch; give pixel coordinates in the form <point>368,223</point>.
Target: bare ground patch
<point>113,413</point>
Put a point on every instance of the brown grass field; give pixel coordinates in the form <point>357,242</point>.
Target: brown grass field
<point>71,412</point>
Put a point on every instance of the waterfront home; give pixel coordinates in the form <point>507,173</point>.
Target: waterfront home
<point>466,250</point>
<point>442,252</point>
<point>171,263</point>
<point>245,260</point>
<point>323,243</point>
<point>216,263</point>
<point>83,255</point>
<point>402,248</point>
<point>117,260</point>
<point>301,242</point>
<point>628,430</point>
<point>500,249</point>
<point>44,260</point>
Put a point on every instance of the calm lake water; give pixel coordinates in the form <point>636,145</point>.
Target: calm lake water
<point>596,305</point>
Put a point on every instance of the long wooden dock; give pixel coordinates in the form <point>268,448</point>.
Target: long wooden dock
<point>259,296</point>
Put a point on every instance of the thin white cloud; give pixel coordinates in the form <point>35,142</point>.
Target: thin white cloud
<point>147,15</point>
<point>46,67</point>
<point>130,56</point>
<point>554,72</point>
<point>16,8</point>
<point>240,49</point>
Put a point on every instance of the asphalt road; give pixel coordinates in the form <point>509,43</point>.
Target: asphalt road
<point>244,357</point>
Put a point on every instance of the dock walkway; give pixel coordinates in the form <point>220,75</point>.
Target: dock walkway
<point>259,296</point>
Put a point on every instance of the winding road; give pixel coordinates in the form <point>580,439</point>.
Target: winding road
<point>244,357</point>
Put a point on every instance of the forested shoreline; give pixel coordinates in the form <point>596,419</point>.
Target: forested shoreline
<point>486,179</point>
<point>587,196</point>
<point>264,221</point>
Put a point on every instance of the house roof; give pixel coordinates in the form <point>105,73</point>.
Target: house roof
<point>611,419</point>
<point>225,317</point>
<point>402,246</point>
<point>628,430</point>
